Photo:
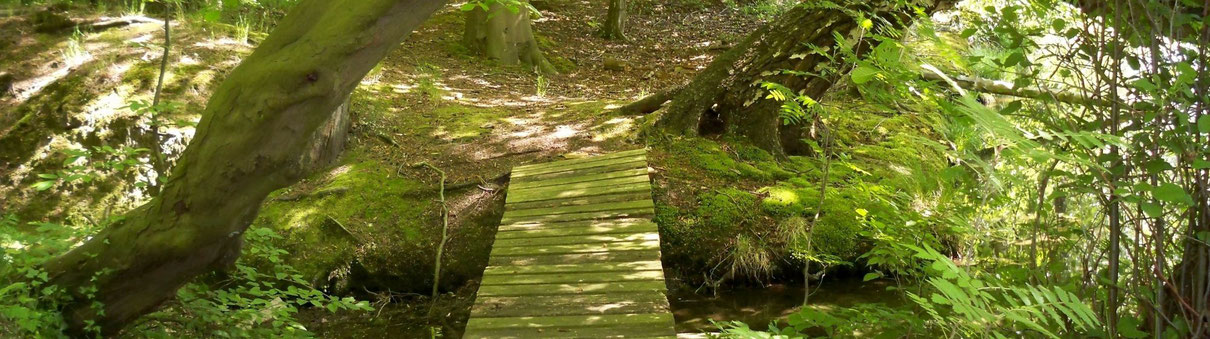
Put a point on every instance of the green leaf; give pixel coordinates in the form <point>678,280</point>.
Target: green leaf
<point>1203,124</point>
<point>44,185</point>
<point>48,176</point>
<point>1011,108</point>
<point>871,276</point>
<point>1144,84</point>
<point>1013,59</point>
<point>863,74</point>
<point>1152,209</point>
<point>211,15</point>
<point>1128,327</point>
<point>1201,164</point>
<point>1169,192</point>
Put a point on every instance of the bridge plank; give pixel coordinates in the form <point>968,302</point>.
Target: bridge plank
<point>571,277</point>
<point>576,255</point>
<point>613,167</point>
<point>580,179</point>
<point>536,225</point>
<point>522,171</point>
<point>579,248</point>
<point>574,258</point>
<point>577,239</point>
<point>552,193</point>
<point>550,305</point>
<point>553,164</point>
<point>582,216</point>
<point>628,179</point>
<point>518,215</point>
<point>592,267</point>
<point>577,201</point>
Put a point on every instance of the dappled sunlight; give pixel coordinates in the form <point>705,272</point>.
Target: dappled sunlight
<point>613,128</point>
<point>57,71</point>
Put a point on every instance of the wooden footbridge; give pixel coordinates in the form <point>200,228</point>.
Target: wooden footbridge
<point>576,255</point>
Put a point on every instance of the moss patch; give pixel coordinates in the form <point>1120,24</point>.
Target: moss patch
<point>757,209</point>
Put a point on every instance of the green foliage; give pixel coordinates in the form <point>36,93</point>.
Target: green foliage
<point>26,300</point>
<point>973,306</point>
<point>84,166</point>
<point>250,301</point>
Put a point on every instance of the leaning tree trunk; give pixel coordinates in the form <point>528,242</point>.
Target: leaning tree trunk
<point>726,97</point>
<point>253,133</point>
<point>615,21</point>
<point>504,35</point>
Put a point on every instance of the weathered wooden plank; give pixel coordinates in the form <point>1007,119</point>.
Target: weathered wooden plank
<point>571,277</point>
<point>570,321</point>
<point>577,201</point>
<point>653,245</point>
<point>601,215</point>
<point>647,330</point>
<point>592,267</point>
<point>579,163</point>
<point>613,155</point>
<point>579,179</point>
<point>574,258</point>
<point>576,239</point>
<point>574,193</point>
<point>560,289</point>
<point>581,166</point>
<point>582,171</point>
<point>594,227</point>
<point>553,305</point>
<point>539,224</point>
<point>634,179</point>
<point>511,216</point>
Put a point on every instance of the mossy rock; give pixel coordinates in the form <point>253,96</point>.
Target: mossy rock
<point>362,226</point>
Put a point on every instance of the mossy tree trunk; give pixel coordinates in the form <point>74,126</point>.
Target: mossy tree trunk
<point>256,127</point>
<point>615,21</point>
<point>726,97</point>
<point>506,35</point>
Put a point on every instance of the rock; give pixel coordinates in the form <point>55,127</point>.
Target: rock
<point>50,21</point>
<point>6,84</point>
<point>614,64</point>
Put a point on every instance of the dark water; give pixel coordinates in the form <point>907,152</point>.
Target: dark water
<point>757,306</point>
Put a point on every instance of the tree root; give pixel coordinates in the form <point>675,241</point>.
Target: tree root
<point>650,103</point>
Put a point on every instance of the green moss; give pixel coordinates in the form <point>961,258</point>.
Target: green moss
<point>751,153</point>
<point>461,122</point>
<point>563,65</point>
<point>348,206</point>
<point>836,233</point>
<point>726,210</point>
<point>789,201</point>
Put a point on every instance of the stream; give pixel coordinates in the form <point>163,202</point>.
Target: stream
<point>758,306</point>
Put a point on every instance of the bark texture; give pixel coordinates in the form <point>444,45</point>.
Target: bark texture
<point>329,141</point>
<point>615,21</point>
<point>506,36</point>
<point>726,97</point>
<point>254,131</point>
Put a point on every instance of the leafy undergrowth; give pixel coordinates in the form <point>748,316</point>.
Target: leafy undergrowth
<point>368,225</point>
<point>756,211</point>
